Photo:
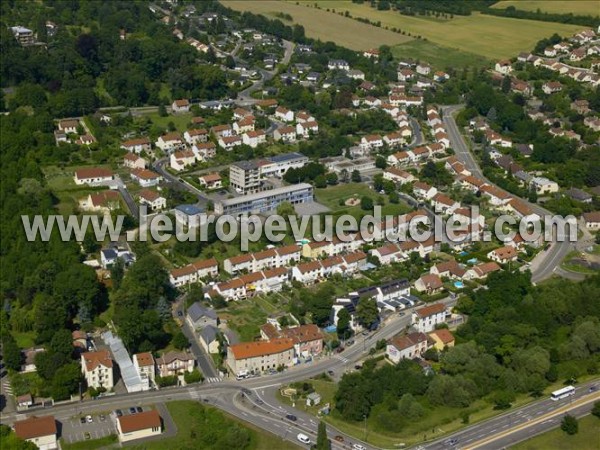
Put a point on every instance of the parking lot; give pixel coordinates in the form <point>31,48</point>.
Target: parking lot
<point>73,430</point>
<point>78,428</point>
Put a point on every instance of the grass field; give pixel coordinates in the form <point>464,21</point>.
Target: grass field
<point>438,56</point>
<point>576,7</point>
<point>488,36</point>
<point>588,438</point>
<point>104,442</point>
<point>195,423</point>
<point>322,25</point>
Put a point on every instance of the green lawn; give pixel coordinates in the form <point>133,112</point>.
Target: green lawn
<point>439,56</point>
<point>326,389</point>
<point>245,318</point>
<point>200,426</point>
<point>25,339</point>
<point>181,121</point>
<point>91,444</point>
<point>588,438</point>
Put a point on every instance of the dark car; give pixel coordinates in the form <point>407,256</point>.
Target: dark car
<point>132,410</point>
<point>358,366</point>
<point>82,419</point>
<point>330,373</point>
<point>179,313</point>
<point>139,409</point>
<point>340,349</point>
<point>339,438</point>
<point>291,417</point>
<point>119,413</point>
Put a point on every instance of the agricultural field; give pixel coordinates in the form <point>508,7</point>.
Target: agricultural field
<point>440,57</point>
<point>325,26</point>
<point>575,7</point>
<point>488,36</point>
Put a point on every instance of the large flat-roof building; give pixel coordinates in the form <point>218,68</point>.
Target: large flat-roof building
<point>265,201</point>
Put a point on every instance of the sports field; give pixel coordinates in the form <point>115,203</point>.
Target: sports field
<point>576,7</point>
<point>488,36</point>
<point>323,25</point>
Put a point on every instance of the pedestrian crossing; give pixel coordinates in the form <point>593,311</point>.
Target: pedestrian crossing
<point>341,358</point>
<point>213,379</point>
<point>7,387</point>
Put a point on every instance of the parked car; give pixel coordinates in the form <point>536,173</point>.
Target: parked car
<point>87,436</point>
<point>330,373</point>
<point>291,417</point>
<point>102,417</point>
<point>82,420</point>
<point>179,313</point>
<point>139,409</point>
<point>303,438</point>
<point>89,419</point>
<point>119,413</point>
<point>132,410</point>
<point>358,447</point>
<point>339,438</point>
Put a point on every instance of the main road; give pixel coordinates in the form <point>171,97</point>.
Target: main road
<point>547,262</point>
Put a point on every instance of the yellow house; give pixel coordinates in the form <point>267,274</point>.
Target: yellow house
<point>314,250</point>
<point>442,338</point>
<point>138,426</point>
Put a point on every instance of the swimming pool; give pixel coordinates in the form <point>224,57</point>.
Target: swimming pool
<point>459,284</point>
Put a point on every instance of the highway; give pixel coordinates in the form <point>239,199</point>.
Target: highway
<point>521,423</point>
<point>547,262</point>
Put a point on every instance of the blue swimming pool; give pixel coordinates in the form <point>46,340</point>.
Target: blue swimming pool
<point>463,253</point>
<point>459,284</point>
<point>472,261</point>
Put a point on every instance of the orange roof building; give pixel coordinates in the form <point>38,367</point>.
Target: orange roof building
<point>260,356</point>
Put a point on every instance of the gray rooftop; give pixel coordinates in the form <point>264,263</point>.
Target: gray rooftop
<point>264,194</point>
<point>209,334</point>
<point>197,311</point>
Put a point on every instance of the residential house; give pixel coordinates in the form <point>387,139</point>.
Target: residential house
<point>592,220</point>
<point>141,425</point>
<point>496,197</point>
<point>102,202</point>
<point>180,160</point>
<point>425,319</point>
<point>482,270</point>
<point>260,356</point>
<point>400,158</point>
<point>284,114</point>
<point>211,181</point>
<point>93,176</point>
<point>338,64</point>
<point>503,255</point>
<point>196,136</point>
<point>219,131</point>
<point>194,272</point>
<point>198,317</point>
<point>244,125</point>
<point>305,129</point>
<point>424,191</point>
<point>442,338</point>
<point>97,369</point>
<point>429,283</point>
<point>286,134</point>
<point>504,67</point>
<point>551,87</point>
<point>40,431</point>
<point>254,138</point>
<point>398,176</point>
<point>188,215</point>
<point>146,178</point>
<point>409,346</point>
<point>543,185</point>
<point>579,195</point>
<point>229,142</point>
<point>131,161</point>
<point>153,199</point>
<point>371,141</point>
<point>423,69</point>
<point>448,269</point>
<point>308,339</point>
<point>138,145</point>
<point>175,363</point>
<point>180,106</point>
<point>209,339</point>
<point>444,204</point>
<point>145,366</point>
<point>170,142</point>
<point>204,151</point>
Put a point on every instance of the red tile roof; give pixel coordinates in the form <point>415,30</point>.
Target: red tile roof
<point>94,359</point>
<point>139,421</point>
<point>247,350</point>
<point>35,427</point>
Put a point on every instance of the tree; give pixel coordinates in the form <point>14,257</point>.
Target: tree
<point>323,442</point>
<point>12,353</point>
<point>506,84</point>
<point>321,182</point>
<point>366,203</point>
<point>356,176</point>
<point>332,178</point>
<point>394,197</point>
<point>569,425</point>
<point>380,162</point>
<point>65,381</point>
<point>117,272</point>
<point>286,209</point>
<point>367,312</point>
<point>596,409</point>
<point>180,341</point>
<point>343,324</point>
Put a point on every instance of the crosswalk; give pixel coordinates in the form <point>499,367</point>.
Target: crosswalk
<point>213,379</point>
<point>341,358</point>
<point>6,387</point>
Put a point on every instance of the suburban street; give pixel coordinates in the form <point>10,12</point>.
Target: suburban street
<point>547,262</point>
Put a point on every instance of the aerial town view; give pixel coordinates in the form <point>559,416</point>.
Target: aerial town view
<point>300,224</point>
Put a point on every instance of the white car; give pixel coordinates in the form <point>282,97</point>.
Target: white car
<point>303,438</point>
<point>358,447</point>
<point>89,419</point>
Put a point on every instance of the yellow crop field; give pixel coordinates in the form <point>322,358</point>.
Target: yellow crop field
<point>488,36</point>
<point>576,7</point>
<point>322,25</point>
